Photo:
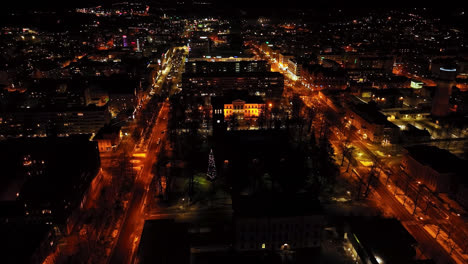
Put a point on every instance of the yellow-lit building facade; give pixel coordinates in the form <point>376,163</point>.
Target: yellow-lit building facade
<point>243,110</point>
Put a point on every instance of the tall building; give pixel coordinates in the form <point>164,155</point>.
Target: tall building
<point>51,121</point>
<point>378,240</point>
<point>371,124</point>
<point>441,98</point>
<point>265,84</point>
<point>436,168</point>
<point>164,241</point>
<point>277,222</point>
<point>294,67</point>
<point>239,66</point>
<point>124,38</point>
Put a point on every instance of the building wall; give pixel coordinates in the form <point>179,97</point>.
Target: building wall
<point>283,59</point>
<point>441,99</point>
<point>434,180</point>
<point>122,102</point>
<point>257,233</point>
<point>320,81</point>
<point>462,195</point>
<point>231,66</point>
<point>373,132</point>
<point>105,145</point>
<point>243,109</point>
<point>347,59</point>
<point>265,85</point>
<point>294,67</point>
<point>37,123</point>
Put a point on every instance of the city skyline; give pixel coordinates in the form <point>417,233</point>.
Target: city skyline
<point>253,132</point>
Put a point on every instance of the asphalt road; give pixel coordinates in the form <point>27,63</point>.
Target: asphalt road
<point>426,242</point>
<point>429,245</point>
<point>132,226</point>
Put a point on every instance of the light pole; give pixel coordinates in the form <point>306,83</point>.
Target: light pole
<point>438,232</point>
<point>417,197</point>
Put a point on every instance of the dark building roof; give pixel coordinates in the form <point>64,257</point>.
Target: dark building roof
<point>164,242</point>
<point>327,72</point>
<point>385,238</point>
<point>58,108</point>
<point>203,66</point>
<point>107,130</point>
<point>443,60</point>
<point>232,95</point>
<point>227,75</point>
<point>390,79</point>
<point>370,113</point>
<point>387,92</point>
<point>441,160</point>
<point>375,58</point>
<point>220,52</point>
<point>416,133</point>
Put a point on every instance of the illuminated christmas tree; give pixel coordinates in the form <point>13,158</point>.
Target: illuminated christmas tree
<point>211,166</point>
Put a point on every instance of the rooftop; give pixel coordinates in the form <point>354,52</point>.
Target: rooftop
<point>164,241</point>
<point>233,75</point>
<point>441,160</point>
<point>370,113</point>
<point>230,96</point>
<point>108,129</point>
<point>385,238</point>
<point>416,133</point>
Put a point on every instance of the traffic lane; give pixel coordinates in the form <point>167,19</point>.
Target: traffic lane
<point>133,218</point>
<point>459,237</point>
<point>426,242</point>
<point>123,248</point>
<point>363,147</point>
<point>146,178</point>
<point>396,207</point>
<point>430,246</point>
<point>413,186</point>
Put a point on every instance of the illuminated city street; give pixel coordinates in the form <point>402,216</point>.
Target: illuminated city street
<point>186,132</point>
